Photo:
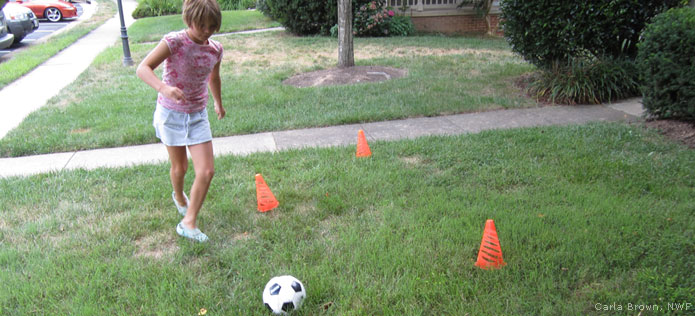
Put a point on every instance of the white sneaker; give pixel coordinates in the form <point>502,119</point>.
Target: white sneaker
<point>182,209</point>
<point>194,234</point>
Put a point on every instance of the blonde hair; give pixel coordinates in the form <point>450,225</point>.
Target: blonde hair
<point>201,12</point>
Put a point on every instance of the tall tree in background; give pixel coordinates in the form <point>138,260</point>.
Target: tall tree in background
<point>346,54</point>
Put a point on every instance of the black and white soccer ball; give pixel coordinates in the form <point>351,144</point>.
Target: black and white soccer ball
<point>283,294</point>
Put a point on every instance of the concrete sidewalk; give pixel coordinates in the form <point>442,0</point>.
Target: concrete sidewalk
<point>628,110</point>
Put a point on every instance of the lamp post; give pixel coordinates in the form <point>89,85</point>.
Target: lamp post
<point>127,61</point>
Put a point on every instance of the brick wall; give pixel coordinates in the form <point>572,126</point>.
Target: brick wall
<point>456,24</point>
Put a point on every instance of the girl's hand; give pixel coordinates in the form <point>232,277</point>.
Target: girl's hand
<point>173,93</point>
<point>219,109</point>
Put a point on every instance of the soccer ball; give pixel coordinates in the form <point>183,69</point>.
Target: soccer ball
<point>283,294</point>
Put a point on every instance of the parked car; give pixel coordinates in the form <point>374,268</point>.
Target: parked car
<point>6,38</point>
<point>52,10</point>
<point>21,21</point>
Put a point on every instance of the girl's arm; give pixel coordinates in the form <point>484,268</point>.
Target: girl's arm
<point>215,86</point>
<point>146,69</point>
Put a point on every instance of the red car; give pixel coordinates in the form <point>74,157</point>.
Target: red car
<point>52,10</point>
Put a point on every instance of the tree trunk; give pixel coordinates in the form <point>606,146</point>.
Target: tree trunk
<point>489,26</point>
<point>346,55</point>
<point>488,8</point>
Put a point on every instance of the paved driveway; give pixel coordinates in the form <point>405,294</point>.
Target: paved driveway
<point>45,28</point>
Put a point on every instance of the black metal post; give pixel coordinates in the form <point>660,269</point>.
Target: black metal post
<point>127,61</point>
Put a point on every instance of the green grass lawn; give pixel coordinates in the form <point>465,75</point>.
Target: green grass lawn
<point>586,215</point>
<point>112,107</point>
<point>153,29</point>
<point>24,61</point>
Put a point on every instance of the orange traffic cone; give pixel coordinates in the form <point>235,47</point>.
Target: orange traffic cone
<point>362,146</point>
<point>266,199</point>
<point>490,254</point>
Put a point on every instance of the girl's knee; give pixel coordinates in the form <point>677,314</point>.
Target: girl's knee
<point>179,171</point>
<point>207,173</point>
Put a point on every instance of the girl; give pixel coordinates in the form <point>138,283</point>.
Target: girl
<point>191,65</point>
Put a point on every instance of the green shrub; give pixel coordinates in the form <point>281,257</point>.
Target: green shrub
<point>586,81</point>
<point>334,31</point>
<point>302,17</point>
<point>261,6</point>
<point>667,62</point>
<point>305,17</point>
<point>398,26</point>
<point>546,32</point>
<point>401,26</point>
<point>372,19</point>
<point>149,8</point>
<point>227,5</point>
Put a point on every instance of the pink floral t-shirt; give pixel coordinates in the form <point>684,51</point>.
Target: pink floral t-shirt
<point>188,68</point>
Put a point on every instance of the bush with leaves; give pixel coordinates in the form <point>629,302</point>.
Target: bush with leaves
<point>305,17</point>
<point>372,19</point>
<point>401,26</point>
<point>584,50</point>
<point>546,32</point>
<point>150,8</point>
<point>666,59</point>
<point>398,26</point>
<point>586,81</point>
<point>227,5</point>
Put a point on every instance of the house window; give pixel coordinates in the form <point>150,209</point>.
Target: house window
<point>438,2</point>
<point>397,3</point>
<point>425,4</point>
<point>450,3</point>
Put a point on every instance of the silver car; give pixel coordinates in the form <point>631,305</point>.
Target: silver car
<point>20,20</point>
<point>6,39</point>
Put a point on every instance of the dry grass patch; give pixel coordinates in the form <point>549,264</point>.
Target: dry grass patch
<point>64,102</point>
<point>376,51</point>
<point>249,53</point>
<point>158,246</point>
<point>242,236</point>
<point>80,131</point>
<point>411,161</point>
<point>56,225</point>
<point>306,208</point>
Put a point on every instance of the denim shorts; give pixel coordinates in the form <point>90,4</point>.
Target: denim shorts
<point>175,128</point>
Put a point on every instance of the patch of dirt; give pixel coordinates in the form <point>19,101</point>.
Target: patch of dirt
<point>679,131</point>
<point>80,131</point>
<point>342,76</point>
<point>157,246</point>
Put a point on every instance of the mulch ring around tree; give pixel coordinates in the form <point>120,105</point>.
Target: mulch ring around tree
<point>343,76</point>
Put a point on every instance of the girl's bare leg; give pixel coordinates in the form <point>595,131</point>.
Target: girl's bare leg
<point>204,166</point>
<point>179,167</point>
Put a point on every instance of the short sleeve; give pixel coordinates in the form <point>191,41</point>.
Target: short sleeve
<point>218,49</point>
<point>173,41</point>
